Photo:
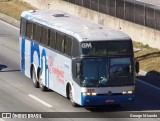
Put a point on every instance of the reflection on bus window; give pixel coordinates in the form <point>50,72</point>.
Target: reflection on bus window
<point>120,66</point>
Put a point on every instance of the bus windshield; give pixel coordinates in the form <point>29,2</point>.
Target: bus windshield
<point>94,70</point>
<point>104,48</point>
<point>120,66</point>
<point>104,72</point>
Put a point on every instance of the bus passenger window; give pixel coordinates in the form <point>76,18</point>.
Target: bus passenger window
<point>29,30</point>
<point>68,46</point>
<point>44,38</point>
<point>52,39</point>
<point>23,27</point>
<point>60,42</point>
<point>36,32</point>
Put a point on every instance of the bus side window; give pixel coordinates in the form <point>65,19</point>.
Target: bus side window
<point>36,32</point>
<point>23,27</point>
<point>75,48</point>
<point>68,45</point>
<point>52,39</point>
<point>49,33</point>
<point>60,42</point>
<point>44,33</point>
<point>29,30</point>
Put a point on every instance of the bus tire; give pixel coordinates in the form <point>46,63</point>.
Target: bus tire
<point>34,79</point>
<point>41,85</point>
<point>43,88</point>
<point>71,97</point>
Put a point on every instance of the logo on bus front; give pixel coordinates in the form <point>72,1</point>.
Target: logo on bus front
<point>86,45</point>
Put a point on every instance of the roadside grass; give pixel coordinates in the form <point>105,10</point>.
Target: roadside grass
<point>14,8</point>
<point>149,58</point>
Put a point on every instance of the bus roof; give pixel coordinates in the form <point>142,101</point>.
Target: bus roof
<point>79,28</point>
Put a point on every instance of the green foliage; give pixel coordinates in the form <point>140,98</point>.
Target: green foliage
<point>145,46</point>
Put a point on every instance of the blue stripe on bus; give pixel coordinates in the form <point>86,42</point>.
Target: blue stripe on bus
<point>106,100</point>
<point>23,55</point>
<point>43,54</point>
<point>35,47</point>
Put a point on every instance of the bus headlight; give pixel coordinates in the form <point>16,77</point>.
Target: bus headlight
<point>86,94</point>
<point>130,92</point>
<point>89,94</point>
<point>94,94</point>
<point>127,92</point>
<point>124,92</point>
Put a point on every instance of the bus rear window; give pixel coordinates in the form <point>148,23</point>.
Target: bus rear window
<point>106,48</point>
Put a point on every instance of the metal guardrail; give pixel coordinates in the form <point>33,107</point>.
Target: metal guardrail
<point>139,12</point>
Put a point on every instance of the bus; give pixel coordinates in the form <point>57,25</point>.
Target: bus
<point>80,60</point>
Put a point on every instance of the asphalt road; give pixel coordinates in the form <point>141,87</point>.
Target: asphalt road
<point>17,93</point>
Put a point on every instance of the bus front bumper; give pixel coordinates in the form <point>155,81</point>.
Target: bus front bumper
<point>107,100</point>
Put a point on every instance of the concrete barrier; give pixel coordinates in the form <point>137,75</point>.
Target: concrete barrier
<point>137,32</point>
<point>9,20</point>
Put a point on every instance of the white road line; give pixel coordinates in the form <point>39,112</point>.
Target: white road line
<point>9,25</point>
<point>41,101</point>
<point>148,84</point>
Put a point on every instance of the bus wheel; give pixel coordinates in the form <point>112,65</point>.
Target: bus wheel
<point>34,79</point>
<point>41,85</point>
<point>71,97</point>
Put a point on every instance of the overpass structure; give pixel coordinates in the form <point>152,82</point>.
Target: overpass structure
<point>143,12</point>
<point>140,19</point>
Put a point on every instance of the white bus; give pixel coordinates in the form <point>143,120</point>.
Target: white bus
<point>82,61</point>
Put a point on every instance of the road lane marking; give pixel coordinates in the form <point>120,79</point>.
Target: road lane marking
<point>9,25</point>
<point>41,101</point>
<point>148,84</point>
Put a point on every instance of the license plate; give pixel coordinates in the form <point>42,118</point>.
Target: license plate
<point>109,101</point>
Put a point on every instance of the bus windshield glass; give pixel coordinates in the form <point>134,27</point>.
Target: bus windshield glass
<point>106,72</point>
<point>104,48</point>
<point>120,67</point>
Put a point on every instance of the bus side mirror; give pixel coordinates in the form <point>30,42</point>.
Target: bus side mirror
<point>137,67</point>
<point>78,69</point>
